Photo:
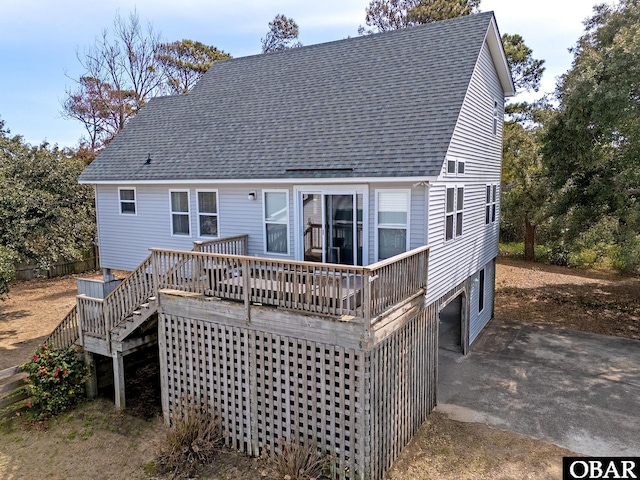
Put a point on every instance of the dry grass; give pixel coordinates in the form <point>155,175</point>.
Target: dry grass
<point>296,461</point>
<point>192,442</point>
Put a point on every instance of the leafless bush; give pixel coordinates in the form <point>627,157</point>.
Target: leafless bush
<point>299,462</point>
<point>192,442</point>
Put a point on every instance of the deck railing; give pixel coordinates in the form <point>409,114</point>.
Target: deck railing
<point>66,333</point>
<point>130,294</point>
<point>238,245</point>
<point>337,290</point>
<point>397,278</point>
<point>332,289</point>
<point>94,321</point>
<point>307,286</point>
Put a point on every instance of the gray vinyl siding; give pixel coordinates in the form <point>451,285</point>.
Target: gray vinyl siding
<point>473,142</point>
<point>125,240</point>
<point>479,319</point>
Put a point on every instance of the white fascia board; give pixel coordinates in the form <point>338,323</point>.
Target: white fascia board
<point>265,181</point>
<point>496,48</point>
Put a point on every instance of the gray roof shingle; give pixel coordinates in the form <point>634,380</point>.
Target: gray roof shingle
<point>382,105</point>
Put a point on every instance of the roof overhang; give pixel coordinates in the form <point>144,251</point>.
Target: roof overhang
<point>267,181</point>
<point>494,41</point>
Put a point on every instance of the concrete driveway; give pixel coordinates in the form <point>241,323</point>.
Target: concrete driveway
<point>575,389</point>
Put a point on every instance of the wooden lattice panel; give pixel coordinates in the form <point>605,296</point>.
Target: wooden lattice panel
<point>403,380</point>
<point>268,387</point>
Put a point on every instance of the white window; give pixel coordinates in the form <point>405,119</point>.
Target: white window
<point>207,213</point>
<point>180,219</point>
<point>495,117</point>
<point>455,166</point>
<point>276,221</point>
<point>392,222</point>
<point>127,198</point>
<point>490,207</point>
<point>454,212</point>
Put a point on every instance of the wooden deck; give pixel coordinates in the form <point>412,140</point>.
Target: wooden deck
<point>343,356</point>
<point>337,290</point>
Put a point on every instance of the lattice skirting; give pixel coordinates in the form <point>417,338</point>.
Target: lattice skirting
<point>359,405</point>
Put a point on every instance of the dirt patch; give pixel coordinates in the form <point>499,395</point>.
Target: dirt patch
<point>446,449</point>
<point>93,441</point>
<point>587,300</point>
<point>33,309</point>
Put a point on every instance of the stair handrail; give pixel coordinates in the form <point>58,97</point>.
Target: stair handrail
<point>127,297</point>
<point>66,333</point>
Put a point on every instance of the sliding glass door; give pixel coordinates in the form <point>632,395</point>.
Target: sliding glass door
<point>332,227</point>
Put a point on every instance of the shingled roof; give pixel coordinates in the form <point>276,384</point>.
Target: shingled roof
<point>382,105</point>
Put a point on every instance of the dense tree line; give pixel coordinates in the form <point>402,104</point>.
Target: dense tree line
<point>591,147</point>
<point>45,215</point>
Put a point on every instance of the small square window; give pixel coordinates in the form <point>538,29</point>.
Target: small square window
<point>461,168</point>
<point>451,166</point>
<point>127,201</point>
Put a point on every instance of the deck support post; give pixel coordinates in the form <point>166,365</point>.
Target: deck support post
<point>92,380</point>
<point>118,380</point>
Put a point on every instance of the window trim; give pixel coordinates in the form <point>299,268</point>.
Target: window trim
<point>454,213</point>
<point>135,201</point>
<point>264,221</point>
<point>217,214</point>
<point>188,212</point>
<point>396,226</point>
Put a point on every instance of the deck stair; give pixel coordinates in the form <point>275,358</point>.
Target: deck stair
<point>122,322</point>
<point>130,324</point>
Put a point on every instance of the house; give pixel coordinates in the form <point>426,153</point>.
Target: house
<point>319,163</point>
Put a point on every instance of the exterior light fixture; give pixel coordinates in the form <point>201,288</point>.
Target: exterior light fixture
<point>251,196</point>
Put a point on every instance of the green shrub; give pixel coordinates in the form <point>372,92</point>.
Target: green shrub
<point>626,257</point>
<point>56,380</point>
<point>511,250</point>
<point>516,250</point>
<point>7,269</point>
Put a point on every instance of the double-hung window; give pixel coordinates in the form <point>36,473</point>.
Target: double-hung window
<point>392,222</point>
<point>207,213</point>
<point>276,221</point>
<point>490,206</point>
<point>127,198</point>
<point>454,212</point>
<point>180,218</point>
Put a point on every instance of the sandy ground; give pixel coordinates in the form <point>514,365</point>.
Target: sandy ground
<point>97,442</point>
<point>587,300</point>
<point>31,312</point>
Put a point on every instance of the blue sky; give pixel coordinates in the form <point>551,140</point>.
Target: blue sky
<point>39,40</point>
